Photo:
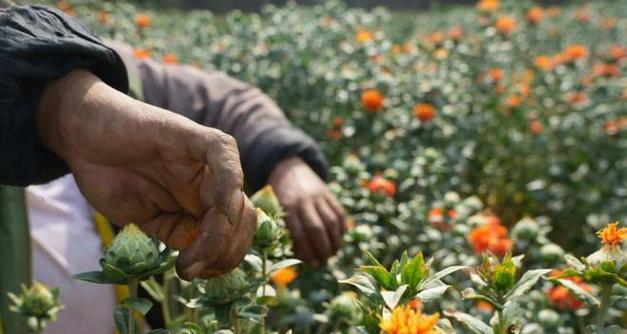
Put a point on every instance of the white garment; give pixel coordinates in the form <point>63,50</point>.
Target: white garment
<point>66,242</point>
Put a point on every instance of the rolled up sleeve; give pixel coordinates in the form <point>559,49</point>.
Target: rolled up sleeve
<point>39,44</point>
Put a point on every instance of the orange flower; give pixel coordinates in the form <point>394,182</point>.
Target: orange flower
<point>334,134</point>
<point>608,22</point>
<point>577,97</point>
<point>491,236</point>
<point>405,320</point>
<point>103,17</point>
<point>562,298</point>
<point>284,276</point>
<point>425,111</point>
<point>170,58</point>
<point>456,33</point>
<point>66,7</point>
<point>495,74</point>
<point>505,25</point>
<point>488,5</point>
<point>141,53</point>
<point>535,15</point>
<point>536,127</point>
<point>372,100</point>
<point>613,126</point>
<point>606,70</point>
<point>611,235</point>
<point>364,35</point>
<point>553,11</point>
<point>143,20</point>
<point>514,101</point>
<point>575,52</point>
<point>618,52</point>
<point>484,306</point>
<point>583,15</point>
<point>544,63</point>
<point>381,185</point>
<point>436,38</point>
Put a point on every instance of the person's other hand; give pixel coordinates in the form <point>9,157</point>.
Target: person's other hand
<point>314,216</point>
<point>177,180</point>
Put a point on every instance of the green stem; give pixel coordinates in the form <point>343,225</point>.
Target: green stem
<point>165,305</point>
<point>606,293</point>
<point>264,260</point>
<point>500,324</point>
<point>133,285</point>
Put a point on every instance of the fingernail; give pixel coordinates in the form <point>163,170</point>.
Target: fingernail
<point>236,204</point>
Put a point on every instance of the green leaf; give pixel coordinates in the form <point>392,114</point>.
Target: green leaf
<point>223,313</point>
<point>254,261</point>
<point>363,284</point>
<point>526,282</point>
<point>283,264</point>
<point>471,294</point>
<point>433,293</point>
<point>414,271</point>
<point>574,262</point>
<point>577,290</point>
<point>380,275</point>
<point>373,259</point>
<point>97,277</point>
<point>154,289</point>
<point>473,324</point>
<point>121,317</point>
<point>391,298</point>
<point>440,274</point>
<point>159,331</point>
<point>142,305</point>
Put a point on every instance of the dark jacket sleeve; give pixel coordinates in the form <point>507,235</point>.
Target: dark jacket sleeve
<point>212,98</point>
<point>38,44</point>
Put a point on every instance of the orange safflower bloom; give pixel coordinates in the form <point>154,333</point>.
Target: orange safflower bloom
<point>456,33</point>
<point>606,70</point>
<point>424,111</point>
<point>170,58</point>
<point>381,185</point>
<point>612,127</point>
<point>141,53</point>
<point>611,235</point>
<point>608,22</point>
<point>143,20</point>
<point>553,11</point>
<point>536,127</point>
<point>436,38</point>
<point>372,100</point>
<point>575,52</point>
<point>496,74</point>
<point>544,63</point>
<point>561,297</point>
<point>405,320</point>
<point>66,7</point>
<point>618,52</point>
<point>577,97</point>
<point>484,306</point>
<point>559,58</point>
<point>364,35</point>
<point>284,276</point>
<point>491,236</point>
<point>488,5</point>
<point>583,15</point>
<point>535,15</point>
<point>505,25</point>
<point>103,17</point>
<point>514,101</point>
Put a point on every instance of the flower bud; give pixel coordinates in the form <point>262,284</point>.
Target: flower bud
<point>132,251</point>
<point>525,229</point>
<point>352,165</point>
<point>551,253</point>
<point>268,231</point>
<point>505,275</point>
<point>549,318</point>
<point>226,288</point>
<point>38,300</point>
<point>345,307</point>
<point>451,199</point>
<point>266,200</point>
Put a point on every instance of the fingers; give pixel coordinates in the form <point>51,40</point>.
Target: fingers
<point>339,210</point>
<point>332,223</point>
<point>316,232</point>
<point>302,248</point>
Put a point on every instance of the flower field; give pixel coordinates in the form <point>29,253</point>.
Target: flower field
<point>478,151</point>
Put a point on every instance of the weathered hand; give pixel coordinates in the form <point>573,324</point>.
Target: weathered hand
<point>314,216</point>
<point>177,180</point>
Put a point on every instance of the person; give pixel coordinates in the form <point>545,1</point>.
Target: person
<point>99,149</point>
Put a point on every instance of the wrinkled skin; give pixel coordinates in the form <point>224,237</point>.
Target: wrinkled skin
<point>177,180</point>
<point>315,218</point>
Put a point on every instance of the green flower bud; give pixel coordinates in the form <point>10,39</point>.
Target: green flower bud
<point>38,300</point>
<point>451,199</point>
<point>525,229</point>
<point>551,253</point>
<point>549,318</point>
<point>352,165</point>
<point>505,275</point>
<point>268,231</point>
<point>226,288</point>
<point>266,200</point>
<point>132,251</point>
<point>345,307</point>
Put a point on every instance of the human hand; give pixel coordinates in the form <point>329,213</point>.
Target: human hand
<point>177,180</point>
<point>314,216</point>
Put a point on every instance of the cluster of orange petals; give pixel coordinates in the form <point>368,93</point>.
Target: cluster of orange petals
<point>606,70</point>
<point>143,20</point>
<point>575,52</point>
<point>103,17</point>
<point>618,52</point>
<point>488,5</point>
<point>577,98</point>
<point>505,25</point>
<point>544,63</point>
<point>335,132</point>
<point>437,219</point>
<point>612,127</point>
<point>425,111</point>
<point>381,185</point>
<point>561,297</point>
<point>372,100</point>
<point>364,35</point>
<point>536,127</point>
<point>66,7</point>
<point>284,276</point>
<point>514,101</point>
<point>583,15</point>
<point>170,58</point>
<point>491,236</point>
<point>141,53</point>
<point>535,15</point>
<point>409,320</point>
<point>456,33</point>
<point>611,235</point>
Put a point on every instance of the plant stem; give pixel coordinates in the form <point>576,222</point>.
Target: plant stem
<point>606,293</point>
<point>264,260</point>
<point>165,305</point>
<point>133,285</point>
